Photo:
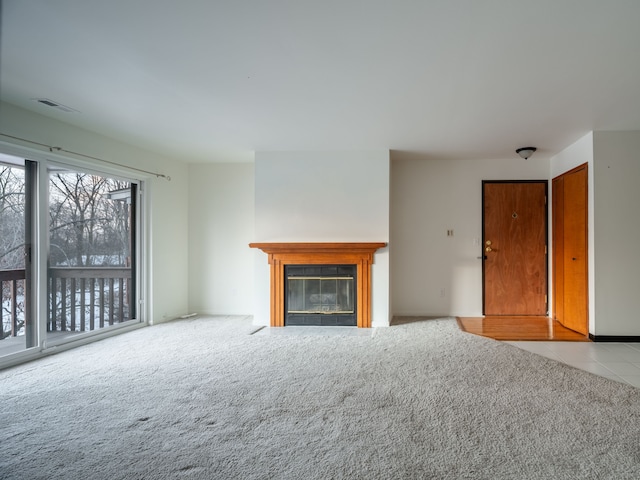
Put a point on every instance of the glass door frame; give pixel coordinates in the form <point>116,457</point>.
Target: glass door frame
<point>39,226</point>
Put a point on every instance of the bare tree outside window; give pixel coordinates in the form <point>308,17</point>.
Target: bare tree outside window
<point>11,218</point>
<point>12,294</point>
<point>87,226</point>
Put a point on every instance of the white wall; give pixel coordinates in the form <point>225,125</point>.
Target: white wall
<point>221,213</point>
<point>431,273</point>
<point>574,155</point>
<point>617,232</point>
<point>322,197</point>
<point>167,245</point>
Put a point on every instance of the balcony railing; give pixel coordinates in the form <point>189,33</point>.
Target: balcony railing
<point>11,283</point>
<point>79,299</point>
<point>85,299</point>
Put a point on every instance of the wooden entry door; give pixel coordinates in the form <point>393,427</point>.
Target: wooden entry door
<point>515,247</point>
<point>570,262</point>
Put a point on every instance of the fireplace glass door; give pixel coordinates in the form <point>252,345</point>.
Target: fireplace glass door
<point>321,295</point>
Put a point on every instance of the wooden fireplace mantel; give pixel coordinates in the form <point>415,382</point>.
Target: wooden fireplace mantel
<point>281,254</point>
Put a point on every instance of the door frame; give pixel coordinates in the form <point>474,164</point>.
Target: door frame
<point>546,235</point>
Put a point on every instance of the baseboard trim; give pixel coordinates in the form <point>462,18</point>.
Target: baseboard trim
<point>615,338</point>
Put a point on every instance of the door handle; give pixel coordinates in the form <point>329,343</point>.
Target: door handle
<point>488,248</point>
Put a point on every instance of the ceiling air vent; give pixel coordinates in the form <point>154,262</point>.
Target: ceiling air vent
<point>59,106</point>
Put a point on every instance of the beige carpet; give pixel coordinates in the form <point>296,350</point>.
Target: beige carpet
<point>202,398</point>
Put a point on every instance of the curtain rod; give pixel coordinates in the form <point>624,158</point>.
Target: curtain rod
<point>53,149</point>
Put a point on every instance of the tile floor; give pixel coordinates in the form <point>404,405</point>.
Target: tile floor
<point>618,361</point>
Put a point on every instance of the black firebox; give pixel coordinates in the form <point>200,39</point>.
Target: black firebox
<point>320,295</point>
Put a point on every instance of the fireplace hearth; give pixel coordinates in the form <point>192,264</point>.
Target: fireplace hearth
<point>327,304</point>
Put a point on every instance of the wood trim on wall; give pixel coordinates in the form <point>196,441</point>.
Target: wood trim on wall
<point>281,254</point>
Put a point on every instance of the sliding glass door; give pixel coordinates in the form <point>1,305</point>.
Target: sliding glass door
<point>91,262</point>
<point>17,329</point>
<point>69,247</point>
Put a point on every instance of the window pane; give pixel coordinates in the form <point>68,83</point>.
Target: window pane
<point>91,252</point>
<point>13,295</point>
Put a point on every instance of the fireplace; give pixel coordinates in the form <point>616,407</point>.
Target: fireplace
<point>327,304</point>
<point>322,295</point>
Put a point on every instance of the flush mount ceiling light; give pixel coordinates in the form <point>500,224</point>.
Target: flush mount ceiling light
<point>526,152</point>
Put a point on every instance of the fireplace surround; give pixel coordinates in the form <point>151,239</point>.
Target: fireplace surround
<point>360,255</point>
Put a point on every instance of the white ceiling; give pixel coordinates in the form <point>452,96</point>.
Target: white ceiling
<point>215,80</point>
